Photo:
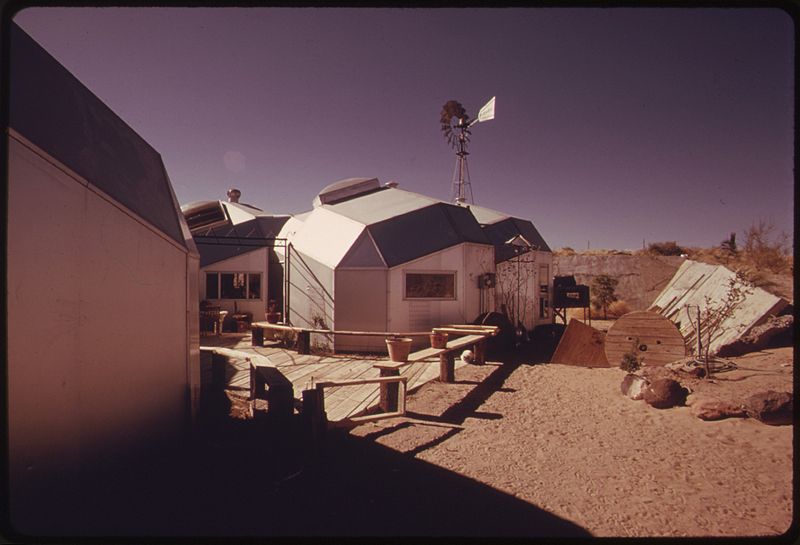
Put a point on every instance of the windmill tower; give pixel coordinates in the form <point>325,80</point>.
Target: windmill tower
<point>456,128</point>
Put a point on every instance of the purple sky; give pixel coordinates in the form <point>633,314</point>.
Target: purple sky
<point>613,125</point>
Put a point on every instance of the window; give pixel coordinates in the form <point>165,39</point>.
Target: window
<point>431,285</point>
<point>212,286</point>
<point>233,285</point>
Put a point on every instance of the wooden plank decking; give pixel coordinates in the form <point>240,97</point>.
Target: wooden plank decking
<point>305,370</point>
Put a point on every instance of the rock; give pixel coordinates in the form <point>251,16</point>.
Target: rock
<point>633,386</point>
<point>711,408</point>
<point>664,393</point>
<point>760,337</point>
<point>771,407</point>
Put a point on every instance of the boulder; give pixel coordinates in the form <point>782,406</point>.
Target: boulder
<point>760,337</point>
<point>664,393</point>
<point>633,386</point>
<point>711,408</point>
<point>770,407</point>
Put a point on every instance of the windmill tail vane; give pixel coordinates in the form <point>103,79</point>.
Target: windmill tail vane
<point>456,129</point>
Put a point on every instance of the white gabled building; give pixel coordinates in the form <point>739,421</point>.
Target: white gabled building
<point>372,257</point>
<point>236,242</point>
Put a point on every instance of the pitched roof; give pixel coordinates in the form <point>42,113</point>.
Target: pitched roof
<point>55,111</point>
<point>378,226</point>
<point>500,228</point>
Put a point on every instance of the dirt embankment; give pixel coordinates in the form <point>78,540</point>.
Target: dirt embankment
<point>641,277</point>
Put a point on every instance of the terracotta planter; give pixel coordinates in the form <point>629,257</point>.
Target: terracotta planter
<point>399,348</point>
<point>438,340</point>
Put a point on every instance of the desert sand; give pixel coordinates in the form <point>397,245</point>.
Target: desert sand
<point>563,438</point>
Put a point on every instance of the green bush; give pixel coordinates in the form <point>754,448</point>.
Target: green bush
<point>665,248</point>
<point>630,360</point>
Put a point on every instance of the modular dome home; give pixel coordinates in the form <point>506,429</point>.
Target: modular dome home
<point>372,257</point>
<point>102,351</point>
<point>240,271</point>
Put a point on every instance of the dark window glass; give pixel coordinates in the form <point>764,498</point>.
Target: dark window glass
<point>212,287</point>
<point>254,286</point>
<point>232,285</point>
<point>430,285</point>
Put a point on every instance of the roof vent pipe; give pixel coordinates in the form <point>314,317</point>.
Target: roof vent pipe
<point>233,195</point>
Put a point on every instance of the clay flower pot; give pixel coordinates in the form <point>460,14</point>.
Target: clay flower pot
<point>438,340</point>
<point>399,348</point>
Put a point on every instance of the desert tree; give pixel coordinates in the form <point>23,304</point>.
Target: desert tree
<point>764,249</point>
<point>604,292</point>
<point>712,314</point>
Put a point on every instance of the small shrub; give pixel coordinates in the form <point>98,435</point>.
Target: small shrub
<point>630,360</point>
<point>665,248</point>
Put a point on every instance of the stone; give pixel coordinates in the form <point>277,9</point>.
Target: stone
<point>711,408</point>
<point>771,407</point>
<point>633,386</point>
<point>664,393</point>
<point>775,332</point>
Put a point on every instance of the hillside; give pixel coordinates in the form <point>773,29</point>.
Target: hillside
<point>641,277</point>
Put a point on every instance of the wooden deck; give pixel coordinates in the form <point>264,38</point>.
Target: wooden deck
<point>306,370</point>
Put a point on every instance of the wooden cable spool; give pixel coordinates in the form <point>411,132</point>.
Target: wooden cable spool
<point>657,340</point>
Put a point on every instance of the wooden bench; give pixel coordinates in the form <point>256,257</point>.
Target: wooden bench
<point>447,363</point>
<point>304,334</point>
<point>267,383</point>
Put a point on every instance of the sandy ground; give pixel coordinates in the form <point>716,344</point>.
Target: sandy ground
<point>565,439</point>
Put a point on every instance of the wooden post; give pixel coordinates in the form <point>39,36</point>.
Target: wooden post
<point>218,364</point>
<point>447,367</point>
<point>389,391</point>
<point>258,336</point>
<point>314,414</point>
<point>480,352</point>
<point>280,400</point>
<point>303,342</point>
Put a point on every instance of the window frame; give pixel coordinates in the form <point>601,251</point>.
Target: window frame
<point>452,273</point>
<point>247,281</point>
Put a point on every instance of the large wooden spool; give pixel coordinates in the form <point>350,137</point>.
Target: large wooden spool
<point>658,340</point>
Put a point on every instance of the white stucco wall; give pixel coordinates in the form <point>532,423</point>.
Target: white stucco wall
<point>531,267</point>
<point>361,300</point>
<point>98,358</point>
<point>251,262</point>
<point>468,261</point>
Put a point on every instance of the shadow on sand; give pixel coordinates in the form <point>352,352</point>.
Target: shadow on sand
<point>261,478</point>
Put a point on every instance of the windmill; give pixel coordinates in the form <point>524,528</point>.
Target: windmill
<point>456,129</point>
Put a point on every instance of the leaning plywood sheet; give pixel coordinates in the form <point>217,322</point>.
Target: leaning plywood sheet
<point>695,281</point>
<point>581,345</point>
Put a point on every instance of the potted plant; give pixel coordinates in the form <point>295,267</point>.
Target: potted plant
<point>399,348</point>
<point>438,339</point>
